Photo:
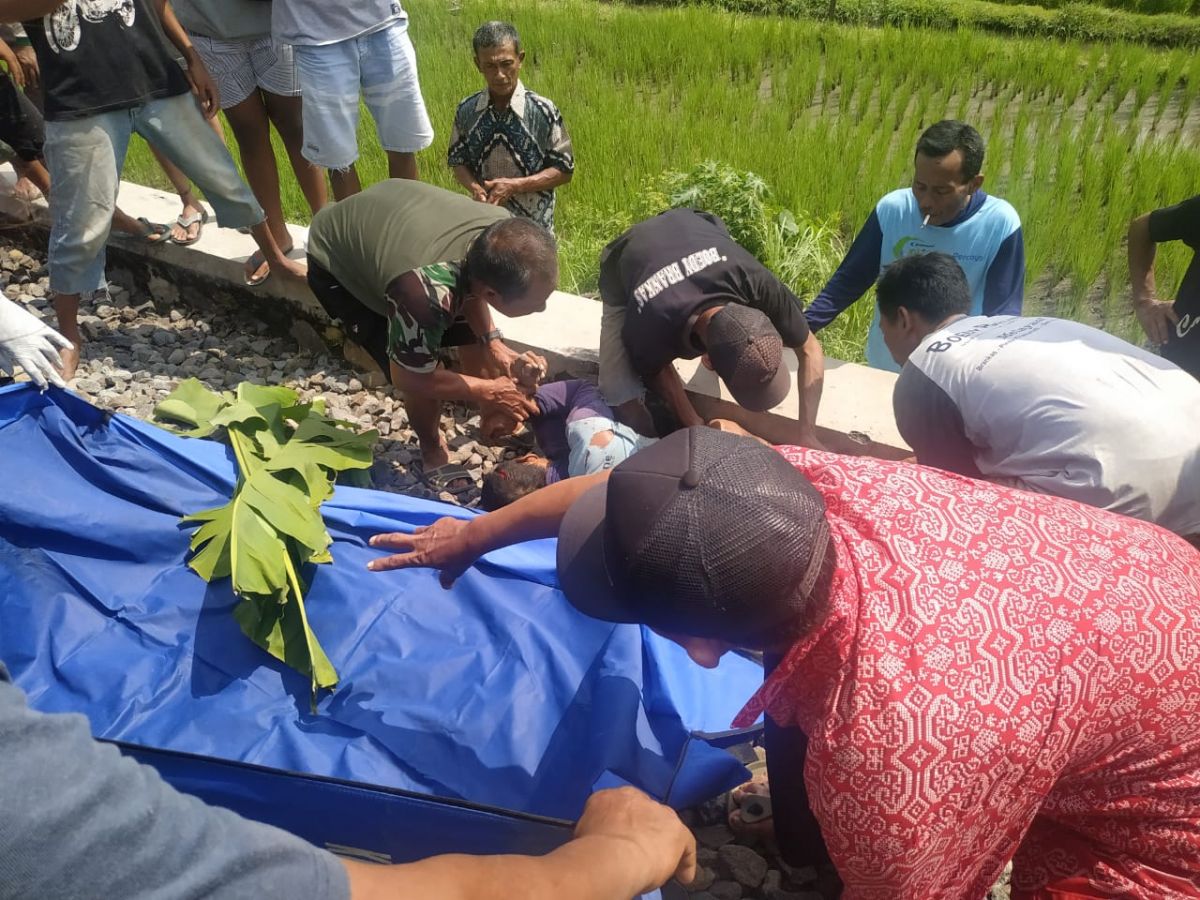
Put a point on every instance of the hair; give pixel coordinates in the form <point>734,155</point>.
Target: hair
<point>944,137</point>
<point>508,255</point>
<point>509,482</point>
<point>932,285</point>
<point>495,34</point>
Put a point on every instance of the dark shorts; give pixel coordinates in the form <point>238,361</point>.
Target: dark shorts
<point>21,125</point>
<point>363,325</point>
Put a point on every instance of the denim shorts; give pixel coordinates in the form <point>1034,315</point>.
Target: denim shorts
<point>382,66</point>
<point>85,157</point>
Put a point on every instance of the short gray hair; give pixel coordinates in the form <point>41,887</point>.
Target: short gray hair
<point>495,34</point>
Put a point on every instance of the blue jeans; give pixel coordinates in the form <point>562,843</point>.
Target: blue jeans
<point>85,157</point>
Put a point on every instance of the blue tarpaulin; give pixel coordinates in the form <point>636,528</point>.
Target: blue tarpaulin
<point>496,693</point>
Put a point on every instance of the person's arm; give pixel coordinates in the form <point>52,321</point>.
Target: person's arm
<point>669,386</point>
<point>625,844</point>
<point>452,545</point>
<point>1157,318</point>
<point>15,70</point>
<point>500,190</point>
<point>1004,286</point>
<point>467,179</point>
<point>853,278</point>
<point>203,86</point>
<point>810,377</point>
<point>446,385</point>
<point>20,10</point>
<point>930,422</point>
<point>479,316</point>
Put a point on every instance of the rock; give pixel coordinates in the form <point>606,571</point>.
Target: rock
<point>712,836</point>
<point>162,337</point>
<point>307,338</point>
<point>177,356</point>
<point>176,316</point>
<point>795,876</point>
<point>726,890</point>
<point>89,386</point>
<point>703,880</point>
<point>742,865</point>
<point>354,385</point>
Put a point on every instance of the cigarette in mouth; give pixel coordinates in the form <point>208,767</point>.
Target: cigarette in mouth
<point>926,222</point>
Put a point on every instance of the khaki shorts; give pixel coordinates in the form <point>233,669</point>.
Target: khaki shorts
<point>619,382</point>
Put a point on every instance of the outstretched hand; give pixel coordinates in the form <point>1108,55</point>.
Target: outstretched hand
<point>444,546</point>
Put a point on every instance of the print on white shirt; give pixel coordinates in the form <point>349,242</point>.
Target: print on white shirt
<point>62,25</point>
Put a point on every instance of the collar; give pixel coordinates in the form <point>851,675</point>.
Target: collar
<point>973,206</point>
<point>516,103</point>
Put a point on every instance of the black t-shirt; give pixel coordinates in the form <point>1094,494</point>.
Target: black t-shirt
<point>1182,223</point>
<point>103,55</point>
<point>668,268</point>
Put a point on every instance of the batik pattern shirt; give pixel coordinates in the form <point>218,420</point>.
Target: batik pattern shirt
<point>996,675</point>
<point>423,304</point>
<point>522,140</point>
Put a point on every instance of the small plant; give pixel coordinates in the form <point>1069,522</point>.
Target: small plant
<point>288,454</point>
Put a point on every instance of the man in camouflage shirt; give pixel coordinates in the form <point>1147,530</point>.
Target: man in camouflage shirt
<point>509,146</point>
<point>409,270</point>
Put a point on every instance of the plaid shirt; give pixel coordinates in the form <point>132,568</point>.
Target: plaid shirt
<point>522,140</point>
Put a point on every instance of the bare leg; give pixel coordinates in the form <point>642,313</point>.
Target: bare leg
<point>425,417</point>
<point>34,171</point>
<point>66,307</point>
<point>403,165</point>
<point>183,187</point>
<point>345,182</point>
<point>253,132</point>
<point>285,115</point>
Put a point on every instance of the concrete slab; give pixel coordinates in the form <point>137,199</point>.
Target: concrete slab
<point>856,398</point>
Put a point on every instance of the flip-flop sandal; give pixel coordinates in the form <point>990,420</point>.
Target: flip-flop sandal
<point>186,222</point>
<point>441,478</point>
<point>254,263</point>
<point>152,232</point>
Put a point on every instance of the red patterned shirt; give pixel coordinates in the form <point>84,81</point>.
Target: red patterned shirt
<point>998,674</point>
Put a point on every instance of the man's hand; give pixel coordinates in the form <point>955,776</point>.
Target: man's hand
<point>500,190</point>
<point>504,393</point>
<point>659,844</point>
<point>15,70</point>
<point>478,192</point>
<point>29,65</point>
<point>1157,319</point>
<point>444,546</point>
<point>203,86</point>
<point>528,370</point>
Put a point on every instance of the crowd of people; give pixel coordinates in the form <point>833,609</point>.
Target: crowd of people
<point>988,652</point>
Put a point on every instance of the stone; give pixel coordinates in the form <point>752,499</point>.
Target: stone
<point>176,316</point>
<point>163,337</point>
<point>712,836</point>
<point>742,865</point>
<point>354,385</point>
<point>177,356</point>
<point>703,880</point>
<point>796,876</point>
<point>726,890</point>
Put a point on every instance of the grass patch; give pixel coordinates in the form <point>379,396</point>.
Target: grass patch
<point>1080,137</point>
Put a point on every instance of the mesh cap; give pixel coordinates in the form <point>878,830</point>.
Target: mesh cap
<point>703,533</point>
<point>747,352</point>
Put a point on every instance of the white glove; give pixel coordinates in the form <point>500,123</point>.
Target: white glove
<point>26,342</point>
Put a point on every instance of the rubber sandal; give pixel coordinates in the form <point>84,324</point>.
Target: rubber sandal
<point>443,476</point>
<point>254,263</point>
<point>186,222</point>
<point>152,232</point>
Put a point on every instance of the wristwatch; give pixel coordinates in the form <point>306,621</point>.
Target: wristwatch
<point>494,335</point>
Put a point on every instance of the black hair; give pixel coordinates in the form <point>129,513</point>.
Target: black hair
<point>495,34</point>
<point>932,285</point>
<point>509,482</point>
<point>944,137</point>
<point>508,255</point>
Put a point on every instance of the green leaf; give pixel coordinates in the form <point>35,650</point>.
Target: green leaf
<point>192,404</point>
<point>281,628</point>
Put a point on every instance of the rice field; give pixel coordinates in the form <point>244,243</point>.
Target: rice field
<point>1080,138</point>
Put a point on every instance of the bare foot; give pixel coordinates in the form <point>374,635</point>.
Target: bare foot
<point>26,190</point>
<point>70,358</point>
<point>742,801</point>
<point>191,210</point>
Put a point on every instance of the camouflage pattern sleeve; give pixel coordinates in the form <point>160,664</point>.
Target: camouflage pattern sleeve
<point>423,303</point>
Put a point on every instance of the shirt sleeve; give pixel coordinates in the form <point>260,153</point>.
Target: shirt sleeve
<point>1004,287</point>
<point>421,305</point>
<point>81,820</point>
<point>1180,222</point>
<point>558,152</point>
<point>931,424</point>
<point>458,154</point>
<point>779,304</point>
<point>853,277</point>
